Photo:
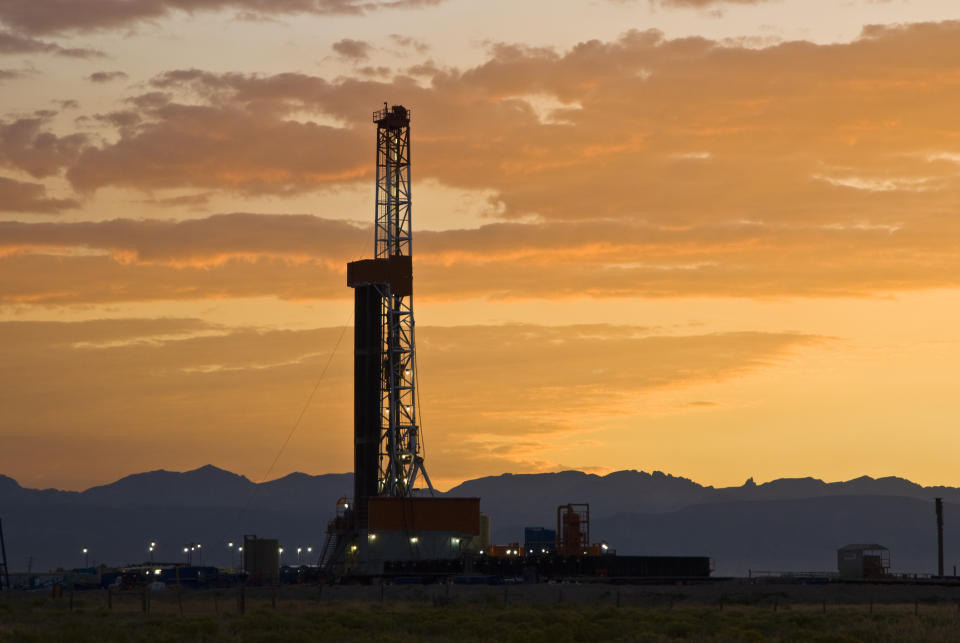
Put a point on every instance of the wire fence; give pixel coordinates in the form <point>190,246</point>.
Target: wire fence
<point>238,600</point>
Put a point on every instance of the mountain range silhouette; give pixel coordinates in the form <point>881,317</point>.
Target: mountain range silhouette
<point>789,524</point>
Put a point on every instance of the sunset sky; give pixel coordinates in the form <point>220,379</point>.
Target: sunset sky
<point>719,239</point>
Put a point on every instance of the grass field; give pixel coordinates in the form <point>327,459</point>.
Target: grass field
<point>486,614</point>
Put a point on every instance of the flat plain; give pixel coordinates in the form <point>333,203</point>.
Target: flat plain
<point>549,613</point>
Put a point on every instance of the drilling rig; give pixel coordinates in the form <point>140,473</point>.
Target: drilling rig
<point>389,522</point>
<point>385,417</point>
<point>391,528</point>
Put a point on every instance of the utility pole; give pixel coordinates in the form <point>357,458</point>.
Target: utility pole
<point>4,570</point>
<point>938,503</point>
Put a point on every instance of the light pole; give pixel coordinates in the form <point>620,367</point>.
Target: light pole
<point>233,564</point>
<point>150,549</point>
<point>86,557</point>
<point>194,547</point>
<point>299,549</point>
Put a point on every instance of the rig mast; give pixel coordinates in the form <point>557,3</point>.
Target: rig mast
<point>400,460</point>
<point>387,460</point>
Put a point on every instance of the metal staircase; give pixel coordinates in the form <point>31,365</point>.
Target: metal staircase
<point>331,549</point>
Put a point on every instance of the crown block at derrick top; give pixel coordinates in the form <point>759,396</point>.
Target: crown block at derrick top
<point>396,271</point>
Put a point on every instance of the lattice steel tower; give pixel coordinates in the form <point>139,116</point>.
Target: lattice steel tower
<point>385,408</point>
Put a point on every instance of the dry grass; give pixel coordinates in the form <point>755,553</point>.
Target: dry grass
<point>428,614</point>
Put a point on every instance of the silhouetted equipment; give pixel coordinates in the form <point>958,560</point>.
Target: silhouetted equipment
<point>367,375</point>
<point>4,570</point>
<point>863,561</point>
<point>573,529</point>
<point>458,515</point>
<point>386,522</point>
<point>539,540</point>
<point>938,503</point>
<point>385,399</point>
<point>261,559</point>
<point>620,569</point>
<point>387,529</point>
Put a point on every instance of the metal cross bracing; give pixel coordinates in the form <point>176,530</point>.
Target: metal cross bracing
<point>393,182</point>
<point>400,460</point>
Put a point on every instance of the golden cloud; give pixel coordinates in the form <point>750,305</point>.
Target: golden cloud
<point>147,391</point>
<point>644,128</point>
<point>304,257</point>
<point>18,196</point>
<point>653,167</point>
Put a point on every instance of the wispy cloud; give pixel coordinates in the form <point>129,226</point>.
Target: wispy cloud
<point>13,43</point>
<point>50,16</point>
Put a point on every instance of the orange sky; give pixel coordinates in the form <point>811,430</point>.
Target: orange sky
<point>717,239</point>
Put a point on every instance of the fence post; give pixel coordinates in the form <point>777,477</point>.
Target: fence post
<point>180,600</point>
<point>109,598</point>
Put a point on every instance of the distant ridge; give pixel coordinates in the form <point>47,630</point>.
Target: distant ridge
<point>789,523</point>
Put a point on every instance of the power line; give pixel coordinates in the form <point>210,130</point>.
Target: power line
<point>303,411</point>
